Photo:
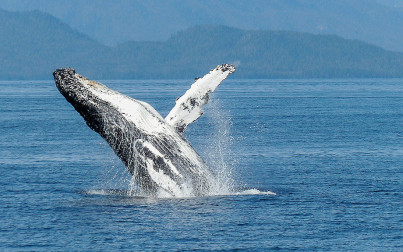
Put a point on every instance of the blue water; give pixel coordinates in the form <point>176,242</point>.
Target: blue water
<point>331,150</point>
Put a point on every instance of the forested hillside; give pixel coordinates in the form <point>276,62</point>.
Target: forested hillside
<point>378,22</point>
<point>33,44</point>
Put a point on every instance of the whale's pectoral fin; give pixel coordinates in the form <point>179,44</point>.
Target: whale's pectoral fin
<point>188,107</point>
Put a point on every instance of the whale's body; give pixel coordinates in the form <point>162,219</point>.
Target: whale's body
<point>153,149</point>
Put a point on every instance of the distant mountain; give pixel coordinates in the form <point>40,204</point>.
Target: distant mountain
<point>378,22</point>
<point>33,44</point>
<point>258,54</point>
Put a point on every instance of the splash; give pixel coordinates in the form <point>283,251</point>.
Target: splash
<point>138,194</point>
<point>153,149</point>
<point>217,148</point>
<point>254,191</point>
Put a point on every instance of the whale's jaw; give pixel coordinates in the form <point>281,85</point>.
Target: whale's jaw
<point>153,150</point>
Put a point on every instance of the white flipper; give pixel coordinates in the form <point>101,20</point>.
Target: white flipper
<point>188,107</point>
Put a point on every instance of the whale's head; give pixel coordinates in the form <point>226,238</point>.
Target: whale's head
<point>77,91</point>
<point>68,84</point>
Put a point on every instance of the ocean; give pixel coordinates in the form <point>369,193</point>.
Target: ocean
<point>317,165</point>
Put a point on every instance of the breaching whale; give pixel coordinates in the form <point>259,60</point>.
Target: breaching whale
<point>154,149</point>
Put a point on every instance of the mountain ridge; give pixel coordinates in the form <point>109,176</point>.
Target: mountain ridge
<point>33,44</point>
<point>113,22</point>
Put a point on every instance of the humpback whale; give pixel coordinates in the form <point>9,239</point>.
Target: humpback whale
<point>154,149</point>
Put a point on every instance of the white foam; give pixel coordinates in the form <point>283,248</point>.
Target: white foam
<point>162,194</point>
<point>255,192</point>
<point>97,192</point>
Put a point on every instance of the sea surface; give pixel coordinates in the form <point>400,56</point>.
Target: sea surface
<point>317,166</point>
